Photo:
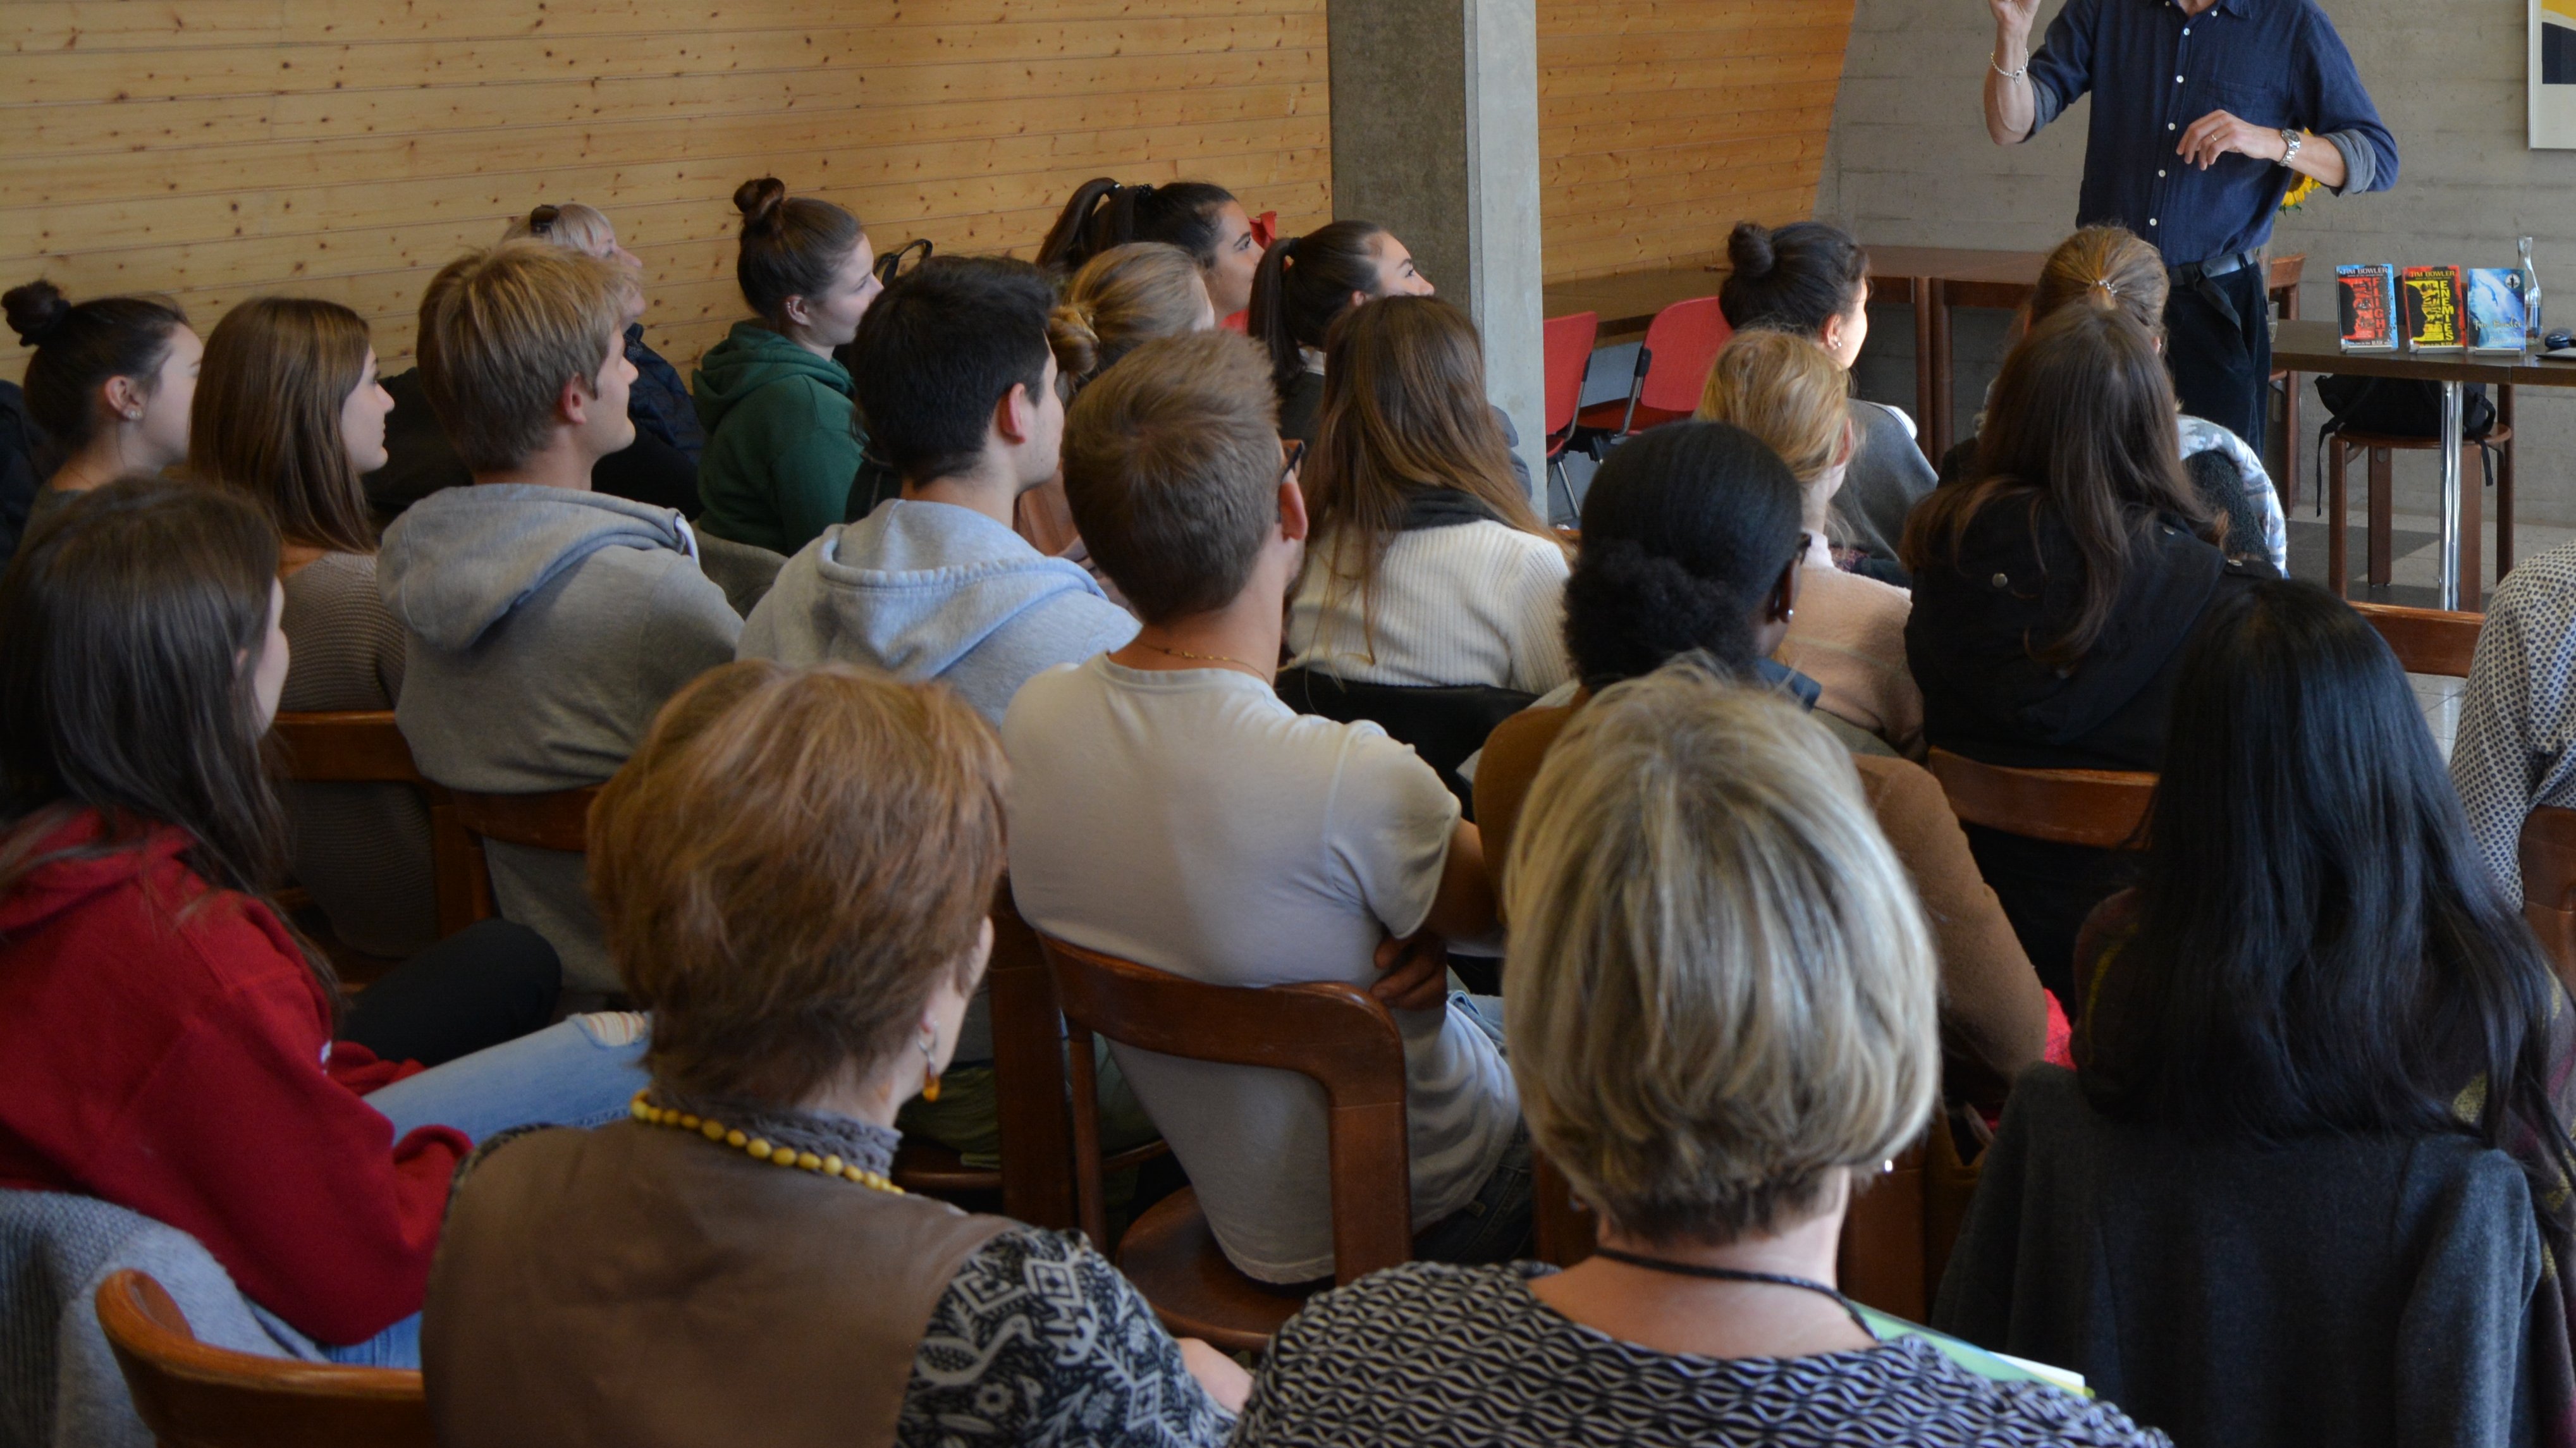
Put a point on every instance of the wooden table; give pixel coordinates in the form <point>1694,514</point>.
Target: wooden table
<point>2317,347</point>
<point>1931,279</point>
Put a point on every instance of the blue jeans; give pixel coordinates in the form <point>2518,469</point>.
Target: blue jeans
<point>1494,1226</point>
<point>579,1072</point>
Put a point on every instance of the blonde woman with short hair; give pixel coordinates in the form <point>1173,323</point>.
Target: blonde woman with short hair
<point>797,871</point>
<point>1849,632</point>
<point>1720,1009</point>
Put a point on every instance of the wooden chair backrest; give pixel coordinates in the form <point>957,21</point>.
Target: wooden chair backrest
<point>2101,808</point>
<point>2548,853</point>
<point>1028,1070</point>
<point>1336,1035</point>
<point>363,746</point>
<point>2427,640</point>
<point>193,1395</point>
<point>556,820</point>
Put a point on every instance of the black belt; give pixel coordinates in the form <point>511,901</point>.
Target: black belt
<point>2200,276</point>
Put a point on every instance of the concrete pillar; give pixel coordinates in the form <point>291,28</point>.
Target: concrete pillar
<point>1435,134</point>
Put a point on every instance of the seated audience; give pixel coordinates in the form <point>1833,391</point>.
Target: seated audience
<point>784,445</point>
<point>2515,750</point>
<point>1125,295</point>
<point>2106,267</point>
<point>1305,285</point>
<point>1690,546</point>
<point>108,387</point>
<point>1200,218</point>
<point>1168,808</point>
<point>166,1039</point>
<point>660,467</point>
<point>1428,566</point>
<point>544,623</point>
<point>1849,635</point>
<point>955,362</point>
<point>2053,591</point>
<point>1812,279</point>
<point>2309,1180</point>
<point>807,956</point>
<point>1721,1019</point>
<point>289,411</point>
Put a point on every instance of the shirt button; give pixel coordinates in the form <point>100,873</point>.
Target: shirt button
<point>2168,125</point>
<point>2177,80</point>
<point>2151,221</point>
<point>2160,175</point>
<point>2002,582</point>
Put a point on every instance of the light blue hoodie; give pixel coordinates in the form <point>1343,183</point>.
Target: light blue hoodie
<point>935,591</point>
<point>544,629</point>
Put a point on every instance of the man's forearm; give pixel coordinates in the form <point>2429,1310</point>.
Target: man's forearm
<point>2010,104</point>
<point>2322,158</point>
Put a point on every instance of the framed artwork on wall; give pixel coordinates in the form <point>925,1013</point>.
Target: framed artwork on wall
<point>2553,75</point>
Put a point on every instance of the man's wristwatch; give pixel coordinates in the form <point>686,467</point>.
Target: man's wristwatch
<point>2291,140</point>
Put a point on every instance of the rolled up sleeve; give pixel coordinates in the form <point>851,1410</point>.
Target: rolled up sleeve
<point>2061,70</point>
<point>2340,111</point>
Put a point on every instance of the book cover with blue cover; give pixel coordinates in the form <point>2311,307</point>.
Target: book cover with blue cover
<point>2495,309</point>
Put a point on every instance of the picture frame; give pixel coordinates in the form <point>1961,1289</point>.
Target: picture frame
<point>2553,75</point>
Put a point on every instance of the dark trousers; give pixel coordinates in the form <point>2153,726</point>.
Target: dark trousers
<point>488,983</point>
<point>2218,346</point>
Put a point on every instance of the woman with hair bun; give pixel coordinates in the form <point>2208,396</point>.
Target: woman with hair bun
<point>1199,217</point>
<point>109,387</point>
<point>784,444</point>
<point>1124,296</point>
<point>1691,546</point>
<point>1813,279</point>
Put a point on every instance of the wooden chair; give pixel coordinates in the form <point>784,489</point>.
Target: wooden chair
<point>2427,640</point>
<point>554,820</point>
<point>1336,1035</point>
<point>2548,852</point>
<point>2100,808</point>
<point>362,746</point>
<point>192,1395</point>
<point>1036,1178</point>
<point>2496,448</point>
<point>2281,292</point>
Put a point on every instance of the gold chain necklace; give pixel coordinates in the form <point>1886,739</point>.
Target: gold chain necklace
<point>1204,658</point>
<point>756,1147</point>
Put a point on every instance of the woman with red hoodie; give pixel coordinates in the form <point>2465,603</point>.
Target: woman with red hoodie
<point>166,1040</point>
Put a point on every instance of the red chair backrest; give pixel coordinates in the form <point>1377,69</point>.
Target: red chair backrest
<point>1568,344</point>
<point>1685,338</point>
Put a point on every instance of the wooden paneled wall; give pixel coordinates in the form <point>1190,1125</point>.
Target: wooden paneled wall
<point>1662,123</point>
<point>219,149</point>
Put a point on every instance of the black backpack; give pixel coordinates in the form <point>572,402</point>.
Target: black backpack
<point>2401,406</point>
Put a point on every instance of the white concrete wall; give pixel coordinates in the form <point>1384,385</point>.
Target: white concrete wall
<point>1909,163</point>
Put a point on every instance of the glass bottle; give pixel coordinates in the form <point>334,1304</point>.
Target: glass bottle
<point>2532,330</point>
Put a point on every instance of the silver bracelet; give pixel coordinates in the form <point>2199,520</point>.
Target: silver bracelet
<point>2008,74</point>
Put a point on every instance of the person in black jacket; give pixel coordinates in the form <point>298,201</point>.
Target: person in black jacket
<point>2053,591</point>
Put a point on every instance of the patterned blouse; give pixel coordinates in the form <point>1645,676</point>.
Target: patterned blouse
<point>1434,1355</point>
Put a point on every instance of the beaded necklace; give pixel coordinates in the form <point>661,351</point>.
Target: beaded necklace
<point>756,1147</point>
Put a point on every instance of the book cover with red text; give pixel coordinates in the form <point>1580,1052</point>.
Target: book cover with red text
<point>2366,295</point>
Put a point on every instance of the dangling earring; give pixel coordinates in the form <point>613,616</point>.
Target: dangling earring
<point>929,1064</point>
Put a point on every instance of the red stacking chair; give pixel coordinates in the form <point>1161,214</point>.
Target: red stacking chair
<point>1568,345</point>
<point>1672,367</point>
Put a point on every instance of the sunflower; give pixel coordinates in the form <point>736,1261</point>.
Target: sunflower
<point>2308,186</point>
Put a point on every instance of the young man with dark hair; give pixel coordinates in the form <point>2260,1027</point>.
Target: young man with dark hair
<point>1166,807</point>
<point>958,385</point>
<point>545,623</point>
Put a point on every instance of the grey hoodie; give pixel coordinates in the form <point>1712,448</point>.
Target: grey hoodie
<point>545,628</point>
<point>935,591</point>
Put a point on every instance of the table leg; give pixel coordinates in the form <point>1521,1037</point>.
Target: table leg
<point>1924,388</point>
<point>1937,426</point>
<point>2452,543</point>
<point>2504,483</point>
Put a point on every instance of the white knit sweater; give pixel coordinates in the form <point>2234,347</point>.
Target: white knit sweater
<point>1473,603</point>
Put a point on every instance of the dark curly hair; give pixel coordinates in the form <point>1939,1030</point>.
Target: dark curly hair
<point>1685,530</point>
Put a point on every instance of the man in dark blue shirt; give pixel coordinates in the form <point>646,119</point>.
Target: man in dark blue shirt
<point>2202,109</point>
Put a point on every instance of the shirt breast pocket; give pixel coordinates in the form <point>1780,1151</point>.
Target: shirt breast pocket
<point>2263,105</point>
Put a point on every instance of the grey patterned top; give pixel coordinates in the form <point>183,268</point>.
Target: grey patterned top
<point>1040,1341</point>
<point>2516,745</point>
<point>1391,1359</point>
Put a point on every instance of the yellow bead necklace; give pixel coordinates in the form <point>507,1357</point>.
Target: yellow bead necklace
<point>759,1148</point>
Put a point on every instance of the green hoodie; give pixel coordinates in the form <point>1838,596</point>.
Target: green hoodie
<point>783,440</point>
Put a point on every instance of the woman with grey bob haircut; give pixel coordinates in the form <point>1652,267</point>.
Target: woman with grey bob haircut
<point>1721,1003</point>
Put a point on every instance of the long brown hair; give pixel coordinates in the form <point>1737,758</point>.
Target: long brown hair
<point>124,621</point>
<point>1404,409</point>
<point>2081,425</point>
<point>2106,267</point>
<point>266,419</point>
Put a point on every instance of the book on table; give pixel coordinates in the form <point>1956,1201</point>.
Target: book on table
<point>2433,306</point>
<point>2366,296</point>
<point>2497,318</point>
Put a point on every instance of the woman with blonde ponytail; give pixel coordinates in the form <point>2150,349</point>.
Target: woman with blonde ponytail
<point>1121,297</point>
